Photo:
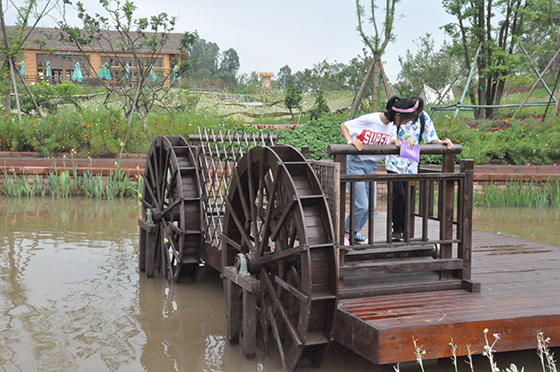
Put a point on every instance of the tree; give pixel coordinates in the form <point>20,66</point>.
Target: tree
<point>321,106</point>
<point>134,43</point>
<point>325,76</point>
<point>284,77</point>
<point>495,28</point>
<point>293,98</point>
<point>229,66</point>
<point>436,68</point>
<point>356,70</point>
<point>205,56</point>
<point>29,14</point>
<point>376,44</point>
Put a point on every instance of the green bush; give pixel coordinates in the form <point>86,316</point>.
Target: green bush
<point>316,134</point>
<point>92,130</point>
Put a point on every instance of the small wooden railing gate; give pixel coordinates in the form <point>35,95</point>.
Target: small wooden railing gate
<point>435,253</point>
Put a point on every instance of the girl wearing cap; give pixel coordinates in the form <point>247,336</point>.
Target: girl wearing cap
<point>372,129</point>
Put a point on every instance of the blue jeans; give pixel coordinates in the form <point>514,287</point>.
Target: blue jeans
<point>354,165</point>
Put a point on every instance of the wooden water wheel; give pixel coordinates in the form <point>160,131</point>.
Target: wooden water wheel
<point>171,198</point>
<point>277,221</point>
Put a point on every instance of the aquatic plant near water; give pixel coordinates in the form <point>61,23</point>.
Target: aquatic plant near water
<point>546,356</point>
<point>544,353</point>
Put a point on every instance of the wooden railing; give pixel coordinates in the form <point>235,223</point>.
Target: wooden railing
<point>437,233</point>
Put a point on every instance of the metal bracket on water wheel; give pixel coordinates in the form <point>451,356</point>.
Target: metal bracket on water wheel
<point>241,265</point>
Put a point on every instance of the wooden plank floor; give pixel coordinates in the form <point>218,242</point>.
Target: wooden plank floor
<point>520,296</point>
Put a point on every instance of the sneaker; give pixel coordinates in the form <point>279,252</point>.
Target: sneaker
<point>396,236</point>
<point>359,239</point>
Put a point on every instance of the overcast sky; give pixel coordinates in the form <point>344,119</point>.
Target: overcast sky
<point>268,35</point>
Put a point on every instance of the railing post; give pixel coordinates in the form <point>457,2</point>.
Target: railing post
<point>446,205</point>
<point>341,159</point>
<point>465,250</point>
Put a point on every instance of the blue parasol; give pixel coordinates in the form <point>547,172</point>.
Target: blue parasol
<point>77,75</point>
<point>48,72</point>
<point>154,77</point>
<point>105,73</point>
<point>127,71</point>
<point>176,73</point>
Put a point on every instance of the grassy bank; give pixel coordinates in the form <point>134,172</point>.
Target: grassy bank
<point>87,128</point>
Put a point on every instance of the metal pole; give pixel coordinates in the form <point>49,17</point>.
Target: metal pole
<point>539,75</point>
<point>469,79</point>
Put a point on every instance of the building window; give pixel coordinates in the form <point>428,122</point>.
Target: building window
<point>62,66</point>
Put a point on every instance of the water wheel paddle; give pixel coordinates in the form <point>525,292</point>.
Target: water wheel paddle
<point>277,220</point>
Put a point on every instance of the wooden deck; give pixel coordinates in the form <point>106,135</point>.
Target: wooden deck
<point>520,287</point>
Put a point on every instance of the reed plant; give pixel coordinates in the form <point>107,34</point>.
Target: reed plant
<point>519,194</point>
<point>18,186</point>
<point>65,184</point>
<point>60,184</point>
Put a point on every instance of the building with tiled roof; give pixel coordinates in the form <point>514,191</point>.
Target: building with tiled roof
<point>45,45</point>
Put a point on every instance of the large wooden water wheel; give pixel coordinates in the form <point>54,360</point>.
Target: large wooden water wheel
<point>171,201</point>
<point>278,224</point>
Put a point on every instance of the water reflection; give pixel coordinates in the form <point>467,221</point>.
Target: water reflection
<point>536,224</point>
<point>71,297</point>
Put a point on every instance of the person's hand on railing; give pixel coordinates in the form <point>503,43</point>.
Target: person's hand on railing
<point>446,142</point>
<point>398,143</point>
<point>357,144</point>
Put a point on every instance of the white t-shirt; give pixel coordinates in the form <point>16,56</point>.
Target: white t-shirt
<point>371,131</point>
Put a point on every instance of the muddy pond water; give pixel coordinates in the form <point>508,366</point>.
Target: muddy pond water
<point>72,299</point>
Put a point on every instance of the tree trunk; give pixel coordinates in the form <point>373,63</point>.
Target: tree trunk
<point>30,94</point>
<point>13,75</point>
<point>385,81</point>
<point>8,108</point>
<point>361,91</point>
<point>499,93</point>
<point>374,85</point>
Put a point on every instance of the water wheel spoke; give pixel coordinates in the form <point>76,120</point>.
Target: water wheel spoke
<point>252,197</point>
<point>171,240</point>
<point>261,195</point>
<point>279,224</point>
<point>291,290</point>
<point>277,304</point>
<point>232,242</point>
<point>270,203</point>
<point>150,184</point>
<point>242,194</point>
<point>277,337</point>
<point>157,168</point>
<point>241,228</point>
<point>166,188</point>
<point>170,184</point>
<point>281,255</point>
<point>146,204</point>
<point>170,207</point>
<point>293,273</point>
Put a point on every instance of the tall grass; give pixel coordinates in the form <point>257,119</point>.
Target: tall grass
<point>63,185</point>
<point>520,194</point>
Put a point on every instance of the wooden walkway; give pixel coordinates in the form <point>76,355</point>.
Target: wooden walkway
<point>520,283</point>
